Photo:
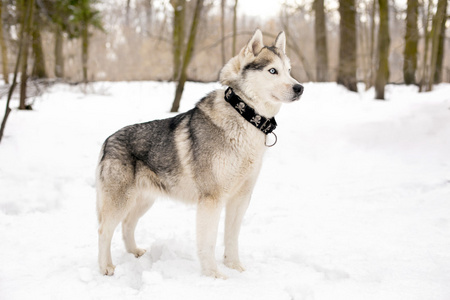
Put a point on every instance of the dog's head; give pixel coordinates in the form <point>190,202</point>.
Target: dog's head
<point>262,73</point>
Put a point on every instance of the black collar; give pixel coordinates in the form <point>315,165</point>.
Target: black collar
<point>262,123</point>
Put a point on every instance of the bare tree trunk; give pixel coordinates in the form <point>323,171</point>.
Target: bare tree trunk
<point>234,28</point>
<point>148,16</point>
<point>84,50</point>
<point>187,56</point>
<point>321,41</point>
<point>3,48</point>
<point>59,59</point>
<point>372,58</point>
<point>222,29</point>
<point>411,40</point>
<point>39,70</point>
<point>347,48</point>
<point>426,21</point>
<point>437,21</point>
<point>364,46</point>
<point>179,7</point>
<point>26,41</point>
<point>382,76</point>
<point>440,53</point>
<point>127,14</point>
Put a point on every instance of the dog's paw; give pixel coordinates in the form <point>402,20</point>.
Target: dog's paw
<point>108,270</point>
<point>138,252</point>
<point>234,265</point>
<point>214,274</point>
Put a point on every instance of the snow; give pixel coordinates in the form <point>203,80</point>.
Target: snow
<point>352,203</point>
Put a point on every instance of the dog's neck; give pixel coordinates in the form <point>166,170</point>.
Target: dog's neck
<point>263,123</point>
<point>264,107</point>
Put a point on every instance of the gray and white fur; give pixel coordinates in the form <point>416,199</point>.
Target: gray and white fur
<point>209,156</point>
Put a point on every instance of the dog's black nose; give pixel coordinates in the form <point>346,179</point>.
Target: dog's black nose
<point>298,89</point>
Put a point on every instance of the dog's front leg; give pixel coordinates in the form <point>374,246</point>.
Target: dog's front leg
<point>208,215</point>
<point>235,211</point>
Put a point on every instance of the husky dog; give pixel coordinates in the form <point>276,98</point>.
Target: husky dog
<point>210,156</point>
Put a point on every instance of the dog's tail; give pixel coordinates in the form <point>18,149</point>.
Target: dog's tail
<point>98,183</point>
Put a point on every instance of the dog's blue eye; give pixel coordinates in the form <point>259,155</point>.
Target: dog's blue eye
<point>273,71</point>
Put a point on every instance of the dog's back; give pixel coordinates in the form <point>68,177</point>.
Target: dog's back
<point>133,149</point>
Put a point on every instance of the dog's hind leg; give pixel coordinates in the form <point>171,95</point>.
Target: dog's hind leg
<point>235,211</point>
<point>115,198</point>
<point>108,224</point>
<point>142,205</point>
<point>208,215</point>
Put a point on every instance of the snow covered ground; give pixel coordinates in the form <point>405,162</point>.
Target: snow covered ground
<point>352,203</point>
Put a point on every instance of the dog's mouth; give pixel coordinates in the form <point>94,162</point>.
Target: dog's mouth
<point>296,98</point>
<point>288,100</point>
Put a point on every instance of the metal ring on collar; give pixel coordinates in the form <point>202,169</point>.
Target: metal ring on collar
<point>271,145</point>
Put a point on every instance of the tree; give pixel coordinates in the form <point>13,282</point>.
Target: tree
<point>366,41</point>
<point>321,41</point>
<point>411,40</point>
<point>233,53</point>
<point>39,70</point>
<point>84,17</point>
<point>382,75</point>
<point>179,14</point>
<point>222,29</point>
<point>189,49</point>
<point>127,14</point>
<point>436,33</point>
<point>426,19</point>
<point>57,14</point>
<point>27,19</point>
<point>440,51</point>
<point>347,48</point>
<point>148,5</point>
<point>372,44</point>
<point>3,48</point>
<point>60,13</point>
<point>59,58</point>
<point>27,11</point>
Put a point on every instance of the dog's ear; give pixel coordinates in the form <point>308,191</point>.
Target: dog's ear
<point>229,75</point>
<point>255,44</point>
<point>280,42</point>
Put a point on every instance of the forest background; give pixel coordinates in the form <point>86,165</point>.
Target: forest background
<point>363,185</point>
<point>386,41</point>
